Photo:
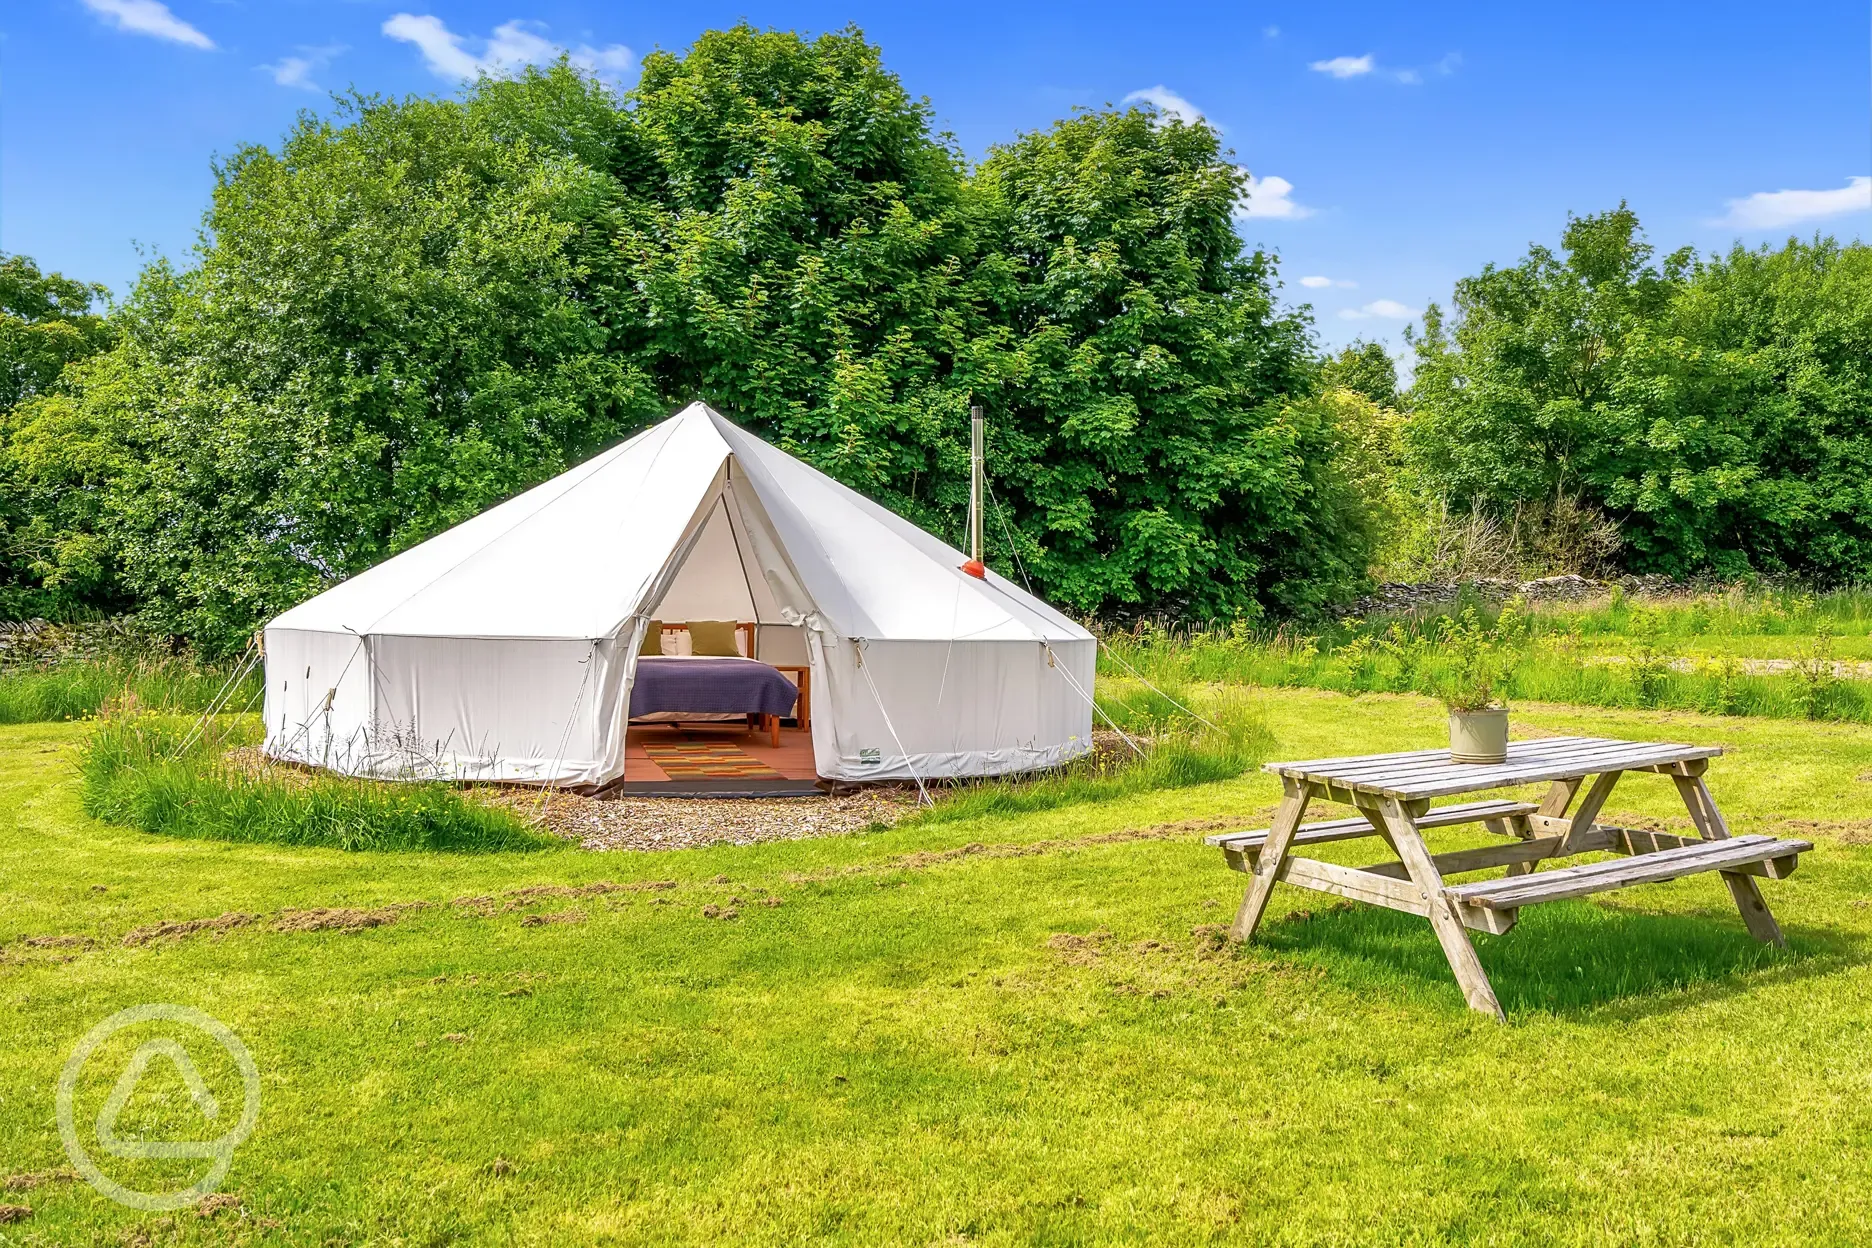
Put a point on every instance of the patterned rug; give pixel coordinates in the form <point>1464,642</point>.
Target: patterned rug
<point>699,760</point>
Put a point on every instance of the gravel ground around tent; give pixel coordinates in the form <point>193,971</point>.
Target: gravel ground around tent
<point>652,823</point>
<point>641,823</point>
<point>645,823</point>
<point>685,823</point>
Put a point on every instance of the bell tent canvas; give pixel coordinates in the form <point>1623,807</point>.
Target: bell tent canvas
<point>505,649</point>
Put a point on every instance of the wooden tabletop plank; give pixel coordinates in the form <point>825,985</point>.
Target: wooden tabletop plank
<point>1429,773</point>
<point>1402,764</point>
<point>1364,769</point>
<point>1520,752</point>
<point>1408,755</point>
<point>1582,760</point>
<point>1485,777</point>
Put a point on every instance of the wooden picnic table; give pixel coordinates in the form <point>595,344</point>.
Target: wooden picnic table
<point>1393,795</point>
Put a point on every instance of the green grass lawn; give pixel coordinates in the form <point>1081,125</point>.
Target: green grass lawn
<point>1014,1029</point>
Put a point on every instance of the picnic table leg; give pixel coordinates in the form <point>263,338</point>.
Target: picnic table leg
<point>1711,825</point>
<point>1587,811</point>
<point>1559,797</point>
<point>1273,856</point>
<point>1450,932</point>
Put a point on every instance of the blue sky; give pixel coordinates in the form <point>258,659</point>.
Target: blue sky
<point>1396,147</point>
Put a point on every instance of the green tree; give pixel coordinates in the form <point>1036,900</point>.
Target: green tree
<point>49,565</point>
<point>1515,390</point>
<point>1769,357</point>
<point>814,260</point>
<point>1364,368</point>
<point>1138,366</point>
<point>382,337</point>
<point>795,257</point>
<point>46,322</point>
<point>1715,407</point>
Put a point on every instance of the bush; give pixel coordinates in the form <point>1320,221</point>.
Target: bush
<point>165,777</point>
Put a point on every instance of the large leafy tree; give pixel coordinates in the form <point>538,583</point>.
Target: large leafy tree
<point>418,307</point>
<point>382,337</point>
<point>47,320</point>
<point>1364,368</point>
<point>1140,365</point>
<point>796,256</point>
<point>1715,407</point>
<point>49,563</point>
<point>801,250</point>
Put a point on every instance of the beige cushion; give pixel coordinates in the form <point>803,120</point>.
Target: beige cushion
<point>653,639</point>
<point>713,637</point>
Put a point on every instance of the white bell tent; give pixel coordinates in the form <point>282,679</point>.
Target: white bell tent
<point>505,648</point>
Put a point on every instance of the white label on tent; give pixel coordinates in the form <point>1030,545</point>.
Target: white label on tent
<point>870,757</point>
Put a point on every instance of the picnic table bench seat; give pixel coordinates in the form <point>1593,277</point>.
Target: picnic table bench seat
<point>1358,826</point>
<point>1776,857</point>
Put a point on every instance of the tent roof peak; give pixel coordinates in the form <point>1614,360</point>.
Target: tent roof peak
<point>574,557</point>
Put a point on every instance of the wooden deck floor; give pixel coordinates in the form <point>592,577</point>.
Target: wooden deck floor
<point>793,760</point>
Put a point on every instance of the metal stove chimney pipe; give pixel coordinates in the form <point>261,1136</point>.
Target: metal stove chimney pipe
<point>975,567</point>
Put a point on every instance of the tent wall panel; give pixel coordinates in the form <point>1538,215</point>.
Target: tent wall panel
<point>941,709</point>
<point>711,584</point>
<point>318,705</point>
<point>489,709</point>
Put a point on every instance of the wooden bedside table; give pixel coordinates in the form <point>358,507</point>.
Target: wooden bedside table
<point>803,677</point>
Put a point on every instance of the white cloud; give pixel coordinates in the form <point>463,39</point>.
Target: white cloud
<point>510,48</point>
<point>441,49</point>
<point>297,71</point>
<point>1771,210</point>
<point>1168,102</point>
<point>1269,197</point>
<point>1380,309</point>
<point>149,17</point>
<point>1361,66</point>
<point>1327,283</point>
<point>1344,66</point>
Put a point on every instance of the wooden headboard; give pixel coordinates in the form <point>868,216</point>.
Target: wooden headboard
<point>741,626</point>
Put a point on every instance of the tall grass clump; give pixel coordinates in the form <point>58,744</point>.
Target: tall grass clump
<point>79,688</point>
<point>166,777</point>
<point>1169,749</point>
<point>1739,611</point>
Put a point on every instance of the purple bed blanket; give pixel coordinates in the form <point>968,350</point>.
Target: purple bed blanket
<point>709,686</point>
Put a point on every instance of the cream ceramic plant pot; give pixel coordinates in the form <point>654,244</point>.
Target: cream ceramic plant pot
<point>1478,736</point>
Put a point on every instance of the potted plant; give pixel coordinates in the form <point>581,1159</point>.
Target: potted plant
<point>1480,659</point>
